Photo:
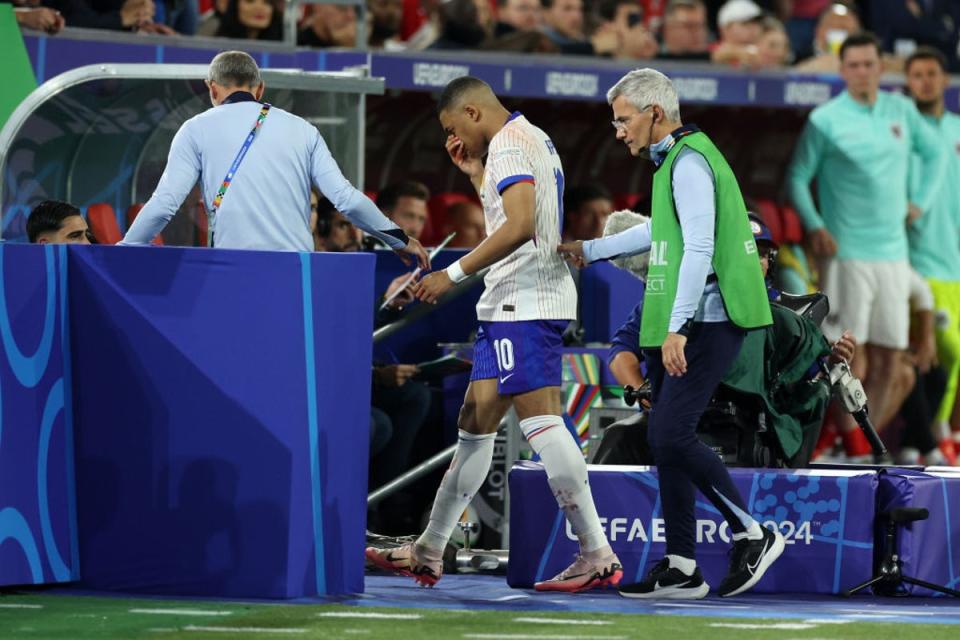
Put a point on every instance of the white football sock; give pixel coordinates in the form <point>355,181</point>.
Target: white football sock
<point>567,475</point>
<point>463,479</point>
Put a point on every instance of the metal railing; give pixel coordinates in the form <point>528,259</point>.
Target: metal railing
<point>292,13</point>
<point>385,331</point>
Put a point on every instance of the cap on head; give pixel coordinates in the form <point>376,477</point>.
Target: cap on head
<point>738,11</point>
<point>761,233</point>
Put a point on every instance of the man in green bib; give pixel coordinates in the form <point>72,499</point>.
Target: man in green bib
<point>704,289</point>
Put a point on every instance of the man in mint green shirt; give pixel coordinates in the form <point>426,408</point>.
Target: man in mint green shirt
<point>858,146</point>
<point>935,236</point>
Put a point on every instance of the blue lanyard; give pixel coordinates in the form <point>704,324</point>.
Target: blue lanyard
<point>236,165</point>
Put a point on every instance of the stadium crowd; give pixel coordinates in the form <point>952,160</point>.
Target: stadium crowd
<point>744,33</point>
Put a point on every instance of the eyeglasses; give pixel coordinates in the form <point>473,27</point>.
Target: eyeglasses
<point>620,124</point>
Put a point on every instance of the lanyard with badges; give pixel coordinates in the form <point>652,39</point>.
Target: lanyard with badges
<point>236,165</point>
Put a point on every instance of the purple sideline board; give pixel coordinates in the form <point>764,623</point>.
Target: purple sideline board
<point>929,549</point>
<point>826,517</point>
<point>38,521</point>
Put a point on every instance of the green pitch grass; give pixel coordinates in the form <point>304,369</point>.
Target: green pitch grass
<point>31,617</point>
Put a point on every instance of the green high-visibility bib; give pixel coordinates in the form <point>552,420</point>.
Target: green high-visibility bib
<point>735,259</point>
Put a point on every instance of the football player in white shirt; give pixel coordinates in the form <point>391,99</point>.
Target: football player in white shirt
<point>528,301</point>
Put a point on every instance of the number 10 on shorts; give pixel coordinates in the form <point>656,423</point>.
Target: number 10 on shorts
<point>504,350</point>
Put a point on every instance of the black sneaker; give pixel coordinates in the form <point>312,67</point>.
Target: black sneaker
<point>666,582</point>
<point>749,560</point>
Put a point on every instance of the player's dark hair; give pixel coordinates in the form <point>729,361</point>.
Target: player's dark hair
<point>862,39</point>
<point>926,53</point>
<point>577,196</point>
<point>389,196</point>
<point>456,89</point>
<point>48,216</point>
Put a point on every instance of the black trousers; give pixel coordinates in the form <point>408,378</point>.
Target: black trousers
<point>684,463</point>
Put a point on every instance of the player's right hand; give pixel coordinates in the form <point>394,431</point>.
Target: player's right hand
<point>822,243</point>
<point>471,166</point>
<point>572,252</point>
<point>416,250</point>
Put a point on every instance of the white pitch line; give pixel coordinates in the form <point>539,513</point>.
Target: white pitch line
<point>560,621</point>
<point>827,621</point>
<point>793,626</point>
<point>21,606</point>
<point>522,636</point>
<point>182,612</point>
<point>888,612</point>
<point>246,629</point>
<point>702,605</point>
<point>370,615</point>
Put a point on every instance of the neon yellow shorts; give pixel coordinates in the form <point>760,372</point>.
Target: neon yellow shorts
<point>946,300</point>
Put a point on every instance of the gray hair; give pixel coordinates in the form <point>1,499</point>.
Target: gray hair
<point>234,69</point>
<point>644,87</point>
<point>621,221</point>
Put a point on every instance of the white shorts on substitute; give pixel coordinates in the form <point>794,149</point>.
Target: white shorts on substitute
<point>869,299</point>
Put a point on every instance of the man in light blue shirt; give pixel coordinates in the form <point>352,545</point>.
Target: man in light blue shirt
<point>858,148</point>
<point>267,204</point>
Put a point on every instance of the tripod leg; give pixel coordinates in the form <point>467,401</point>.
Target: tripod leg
<point>862,586</point>
<point>931,586</point>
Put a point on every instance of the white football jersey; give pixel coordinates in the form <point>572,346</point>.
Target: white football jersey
<point>532,283</point>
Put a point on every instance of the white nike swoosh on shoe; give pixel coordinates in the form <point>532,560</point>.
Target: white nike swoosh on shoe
<point>768,559</point>
<point>752,568</point>
<point>505,378</point>
<point>671,593</point>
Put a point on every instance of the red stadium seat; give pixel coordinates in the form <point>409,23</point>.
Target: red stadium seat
<point>132,212</point>
<point>769,212</point>
<point>102,221</point>
<point>792,227</point>
<point>623,201</point>
<point>437,207</point>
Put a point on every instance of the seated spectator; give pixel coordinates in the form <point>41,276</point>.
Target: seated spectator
<point>585,212</point>
<point>332,231</point>
<point>519,28</point>
<point>210,21</point>
<point>517,15</point>
<point>117,15</point>
<point>422,20</point>
<point>329,25</point>
<point>565,27</point>
<point>406,204</point>
<point>625,18</point>
<point>773,48</point>
<point>834,25</point>
<point>801,18</point>
<point>902,25</point>
<point>740,31</point>
<point>466,219</point>
<point>463,24</point>
<point>624,357</point>
<point>31,16</point>
<point>175,16</point>
<point>685,34</point>
<point>54,222</point>
<point>385,17</point>
<point>252,20</point>
<point>399,408</point>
